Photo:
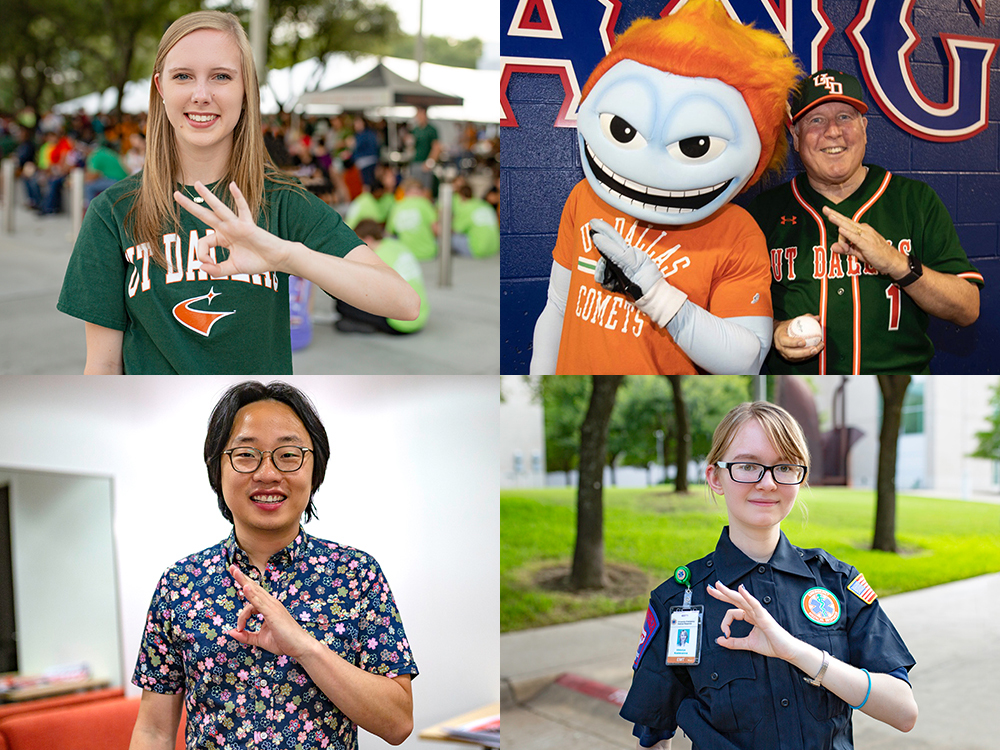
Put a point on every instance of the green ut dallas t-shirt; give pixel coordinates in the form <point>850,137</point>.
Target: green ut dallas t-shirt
<point>179,319</point>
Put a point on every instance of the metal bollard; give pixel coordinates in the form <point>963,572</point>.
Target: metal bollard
<point>76,201</point>
<point>8,187</point>
<point>444,220</point>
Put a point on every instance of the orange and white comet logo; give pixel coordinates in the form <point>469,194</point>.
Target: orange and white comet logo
<point>199,321</point>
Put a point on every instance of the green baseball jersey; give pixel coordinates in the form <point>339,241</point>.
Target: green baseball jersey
<point>478,219</point>
<point>179,319</point>
<point>871,325</point>
<point>398,257</point>
<point>411,219</point>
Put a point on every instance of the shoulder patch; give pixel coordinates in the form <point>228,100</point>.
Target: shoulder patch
<point>649,628</point>
<point>860,588</point>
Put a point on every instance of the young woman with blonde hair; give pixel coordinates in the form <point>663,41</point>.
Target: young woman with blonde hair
<point>782,643</point>
<point>183,267</point>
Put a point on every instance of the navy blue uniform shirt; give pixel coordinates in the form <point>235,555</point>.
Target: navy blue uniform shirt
<point>740,700</point>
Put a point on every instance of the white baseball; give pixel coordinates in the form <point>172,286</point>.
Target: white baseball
<point>805,327</point>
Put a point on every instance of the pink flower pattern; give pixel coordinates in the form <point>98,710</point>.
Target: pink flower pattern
<point>241,696</point>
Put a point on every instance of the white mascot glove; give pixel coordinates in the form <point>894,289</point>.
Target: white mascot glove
<point>624,269</point>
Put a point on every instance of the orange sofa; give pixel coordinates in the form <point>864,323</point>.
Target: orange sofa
<point>87,723</point>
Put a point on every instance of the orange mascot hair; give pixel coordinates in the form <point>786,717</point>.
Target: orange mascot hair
<point>701,41</point>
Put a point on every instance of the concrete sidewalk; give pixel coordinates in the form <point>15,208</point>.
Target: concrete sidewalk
<point>951,630</point>
<point>462,335</point>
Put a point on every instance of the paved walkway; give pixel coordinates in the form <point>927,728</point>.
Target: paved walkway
<point>951,631</point>
<point>462,336</point>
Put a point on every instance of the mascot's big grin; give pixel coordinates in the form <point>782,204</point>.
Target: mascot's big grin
<point>650,198</point>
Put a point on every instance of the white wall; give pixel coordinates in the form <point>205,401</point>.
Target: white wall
<point>412,479</point>
<point>65,601</point>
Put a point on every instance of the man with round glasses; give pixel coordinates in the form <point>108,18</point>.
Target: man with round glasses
<point>272,635</point>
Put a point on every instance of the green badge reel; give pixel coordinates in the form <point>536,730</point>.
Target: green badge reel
<point>684,636</point>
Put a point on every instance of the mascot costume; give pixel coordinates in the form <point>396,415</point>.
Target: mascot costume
<point>654,270</point>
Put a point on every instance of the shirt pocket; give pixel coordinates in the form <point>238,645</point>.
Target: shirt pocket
<point>821,704</point>
<point>729,689</point>
<point>330,624</point>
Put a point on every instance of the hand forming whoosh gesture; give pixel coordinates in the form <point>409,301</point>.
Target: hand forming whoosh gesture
<point>767,638</point>
<point>863,242</point>
<point>252,249</point>
<point>279,633</point>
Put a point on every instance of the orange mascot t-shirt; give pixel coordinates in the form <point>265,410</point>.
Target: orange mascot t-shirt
<point>721,263</point>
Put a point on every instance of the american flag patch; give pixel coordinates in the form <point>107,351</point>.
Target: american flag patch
<point>860,588</point>
<point>649,628</point>
<point>586,264</point>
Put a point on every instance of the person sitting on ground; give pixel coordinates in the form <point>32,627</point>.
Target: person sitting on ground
<point>374,203</point>
<point>474,223</point>
<point>398,257</point>
<point>414,220</point>
<point>104,169</point>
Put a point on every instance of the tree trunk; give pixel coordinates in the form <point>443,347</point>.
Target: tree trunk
<point>588,556</point>
<point>683,434</point>
<point>893,392</point>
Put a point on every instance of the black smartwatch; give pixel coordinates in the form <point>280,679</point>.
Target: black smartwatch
<point>916,271</point>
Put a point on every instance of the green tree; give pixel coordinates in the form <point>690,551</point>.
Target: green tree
<point>303,29</point>
<point>564,400</point>
<point>642,406</point>
<point>682,434</point>
<point>989,440</point>
<point>708,400</point>
<point>32,51</point>
<point>588,552</point>
<point>893,392</point>
<point>437,49</point>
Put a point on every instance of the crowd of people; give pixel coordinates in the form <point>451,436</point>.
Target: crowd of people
<point>384,177</point>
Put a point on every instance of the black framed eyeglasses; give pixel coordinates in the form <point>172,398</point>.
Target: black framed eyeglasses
<point>286,458</point>
<point>748,472</point>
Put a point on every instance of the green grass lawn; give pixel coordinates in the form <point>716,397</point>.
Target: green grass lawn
<point>653,531</point>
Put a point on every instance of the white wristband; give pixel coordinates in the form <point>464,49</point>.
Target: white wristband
<point>662,302</point>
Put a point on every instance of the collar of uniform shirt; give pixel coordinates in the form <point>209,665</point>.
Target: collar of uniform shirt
<point>729,563</point>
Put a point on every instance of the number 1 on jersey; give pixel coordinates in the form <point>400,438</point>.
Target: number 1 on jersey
<point>894,295</point>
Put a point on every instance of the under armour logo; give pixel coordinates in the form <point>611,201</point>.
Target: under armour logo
<point>829,83</point>
<point>789,219</point>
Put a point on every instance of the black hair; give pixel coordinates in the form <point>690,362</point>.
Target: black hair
<point>220,427</point>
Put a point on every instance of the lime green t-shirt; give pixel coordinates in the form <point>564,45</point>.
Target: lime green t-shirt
<point>411,220</point>
<point>477,219</point>
<point>179,319</point>
<point>367,206</point>
<point>398,257</point>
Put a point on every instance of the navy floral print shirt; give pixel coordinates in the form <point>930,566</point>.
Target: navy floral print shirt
<point>240,696</point>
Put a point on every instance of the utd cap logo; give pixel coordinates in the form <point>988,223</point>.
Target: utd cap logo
<point>829,83</point>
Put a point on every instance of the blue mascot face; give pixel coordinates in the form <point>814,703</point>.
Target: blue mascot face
<point>664,148</point>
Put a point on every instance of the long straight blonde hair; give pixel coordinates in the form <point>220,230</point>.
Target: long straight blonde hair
<point>154,210</point>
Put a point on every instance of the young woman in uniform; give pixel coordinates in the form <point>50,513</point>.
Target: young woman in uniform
<point>183,268</point>
<point>786,641</point>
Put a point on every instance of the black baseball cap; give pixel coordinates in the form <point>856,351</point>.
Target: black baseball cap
<point>827,86</point>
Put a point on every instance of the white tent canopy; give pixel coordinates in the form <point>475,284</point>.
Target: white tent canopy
<point>478,89</point>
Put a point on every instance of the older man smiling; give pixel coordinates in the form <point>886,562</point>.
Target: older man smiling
<point>869,254</point>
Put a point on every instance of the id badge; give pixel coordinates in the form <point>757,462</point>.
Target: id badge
<point>684,639</point>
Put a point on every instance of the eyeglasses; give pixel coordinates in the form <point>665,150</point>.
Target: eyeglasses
<point>286,458</point>
<point>748,472</point>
